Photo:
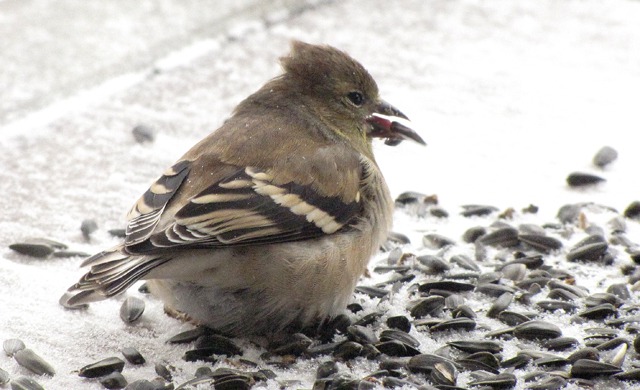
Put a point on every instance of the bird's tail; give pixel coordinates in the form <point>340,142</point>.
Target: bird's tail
<point>111,273</point>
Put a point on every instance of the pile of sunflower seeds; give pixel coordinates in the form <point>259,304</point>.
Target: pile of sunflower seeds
<point>500,304</point>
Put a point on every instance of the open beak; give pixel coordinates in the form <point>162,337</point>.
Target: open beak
<point>394,132</point>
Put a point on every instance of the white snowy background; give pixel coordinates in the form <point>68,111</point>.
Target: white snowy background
<point>511,96</point>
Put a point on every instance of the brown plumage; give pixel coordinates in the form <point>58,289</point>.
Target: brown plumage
<point>271,219</point>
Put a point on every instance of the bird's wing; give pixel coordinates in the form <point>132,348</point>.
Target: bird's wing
<point>242,208</point>
<point>145,214</point>
<point>236,206</point>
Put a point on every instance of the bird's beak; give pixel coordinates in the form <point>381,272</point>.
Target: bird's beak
<point>394,132</point>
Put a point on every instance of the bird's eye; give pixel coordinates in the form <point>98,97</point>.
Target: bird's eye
<point>356,98</point>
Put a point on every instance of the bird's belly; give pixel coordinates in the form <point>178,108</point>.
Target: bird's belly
<point>253,290</point>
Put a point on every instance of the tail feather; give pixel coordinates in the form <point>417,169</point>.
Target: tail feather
<point>111,273</point>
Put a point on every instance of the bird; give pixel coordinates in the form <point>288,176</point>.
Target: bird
<point>268,222</point>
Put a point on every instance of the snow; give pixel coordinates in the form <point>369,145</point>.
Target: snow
<point>510,96</point>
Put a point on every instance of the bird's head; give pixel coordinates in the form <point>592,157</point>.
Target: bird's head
<point>343,94</point>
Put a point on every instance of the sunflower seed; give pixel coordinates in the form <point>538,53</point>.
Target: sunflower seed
<point>322,349</point>
<point>473,346</point>
<point>599,312</point>
<point>355,307</point>
<point>435,264</point>
<point>446,285</point>
<point>454,301</point>
<point>436,241</point>
<point>549,383</point>
<point>550,361</point>
<point>634,253</point>
<point>562,294</point>
<point>503,333</point>
<point>463,311</point>
<point>444,374</point>
<point>617,355</point>
<point>409,197</point>
<point>24,383</point>
<point>398,238</point>
<point>581,179</point>
<point>391,268</point>
<point>131,309</point>
<point>133,356</point>
<point>373,292</point>
<point>141,384</point>
<point>613,343</point>
<point>87,227</point>
<point>515,271</point>
<point>211,344</point>
<point>494,290</point>
<point>115,380</point>
<point>143,133</point>
<point>348,350</point>
<point>399,322</point>
<point>465,262</point>
<point>32,362</point>
<point>531,229</point>
<point>396,348</point>
<point>553,305</point>
<point>560,343</point>
<point>505,237</point>
<point>398,335</point>
<point>364,321</point>
<point>477,210</point>
<point>471,235</point>
<point>33,249</point>
<point>518,361</point>
<point>605,156</point>
<point>487,359</point>
<point>631,375</point>
<point>361,334</point>
<point>619,238</point>
<point>102,368</point>
<point>588,353</point>
<point>163,372</point>
<point>393,363</point>
<point>424,363</point>
<point>67,254</point>
<point>203,371</point>
<point>587,369</point>
<point>536,329</point>
<point>4,377</point>
<point>533,283</point>
<point>512,318</point>
<point>326,369</point>
<point>463,323</point>
<point>188,335</point>
<point>388,382</point>
<point>602,298</point>
<point>500,381</point>
<point>589,251</point>
<point>542,243</point>
<point>500,304</point>
<point>618,225</point>
<point>633,210</point>
<point>531,261</point>
<point>119,233</point>
<point>11,346</point>
<point>580,292</point>
<point>569,213</point>
<point>431,306</point>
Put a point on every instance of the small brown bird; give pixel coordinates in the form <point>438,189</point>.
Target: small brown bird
<point>269,221</point>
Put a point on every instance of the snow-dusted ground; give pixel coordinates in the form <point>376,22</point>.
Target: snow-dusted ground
<point>511,96</point>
